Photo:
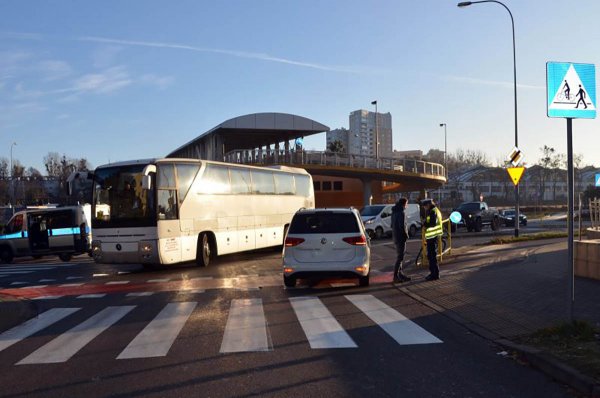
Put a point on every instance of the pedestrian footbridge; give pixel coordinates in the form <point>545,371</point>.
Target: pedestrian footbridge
<point>406,175</point>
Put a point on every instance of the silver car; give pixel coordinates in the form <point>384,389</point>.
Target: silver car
<point>326,243</point>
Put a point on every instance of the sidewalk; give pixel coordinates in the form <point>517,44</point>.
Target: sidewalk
<point>510,290</point>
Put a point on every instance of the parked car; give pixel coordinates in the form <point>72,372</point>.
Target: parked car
<point>508,217</point>
<point>326,243</point>
<point>378,220</point>
<point>476,215</point>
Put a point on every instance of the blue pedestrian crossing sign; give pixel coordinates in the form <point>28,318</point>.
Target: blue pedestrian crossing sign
<point>571,90</point>
<point>597,180</point>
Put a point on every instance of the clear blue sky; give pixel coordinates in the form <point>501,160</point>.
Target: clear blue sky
<point>117,80</point>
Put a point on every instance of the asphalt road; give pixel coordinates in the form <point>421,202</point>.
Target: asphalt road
<point>232,330</point>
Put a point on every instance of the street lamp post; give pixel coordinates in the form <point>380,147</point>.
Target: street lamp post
<point>12,184</point>
<point>445,151</point>
<point>512,21</point>
<point>376,130</point>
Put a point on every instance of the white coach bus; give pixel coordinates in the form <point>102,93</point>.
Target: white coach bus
<point>166,211</point>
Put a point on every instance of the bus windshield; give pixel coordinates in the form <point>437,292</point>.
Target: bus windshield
<point>120,201</point>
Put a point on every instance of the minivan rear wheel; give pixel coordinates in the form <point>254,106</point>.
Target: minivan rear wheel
<point>289,281</point>
<point>363,281</point>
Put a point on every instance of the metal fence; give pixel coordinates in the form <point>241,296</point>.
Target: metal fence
<point>321,158</point>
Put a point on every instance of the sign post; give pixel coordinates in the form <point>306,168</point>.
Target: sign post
<point>571,94</point>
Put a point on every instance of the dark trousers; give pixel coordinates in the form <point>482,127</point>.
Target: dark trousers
<point>400,249</point>
<point>432,256</point>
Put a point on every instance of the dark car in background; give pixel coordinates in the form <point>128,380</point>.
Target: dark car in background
<point>508,217</point>
<point>476,215</point>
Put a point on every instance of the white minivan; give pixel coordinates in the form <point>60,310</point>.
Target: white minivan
<point>378,220</point>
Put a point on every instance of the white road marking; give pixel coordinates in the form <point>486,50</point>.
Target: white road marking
<point>246,328</point>
<point>400,328</point>
<point>70,278</point>
<point>158,336</point>
<point>19,283</point>
<point>98,275</point>
<point>91,296</point>
<point>71,284</point>
<point>46,280</point>
<point>15,272</point>
<point>67,344</point>
<point>320,327</point>
<point>46,298</point>
<point>117,282</point>
<point>158,280</point>
<point>33,326</point>
<point>139,294</point>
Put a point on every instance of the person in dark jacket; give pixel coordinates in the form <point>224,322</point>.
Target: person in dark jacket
<point>400,235</point>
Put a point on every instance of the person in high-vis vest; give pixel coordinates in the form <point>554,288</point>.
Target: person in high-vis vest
<point>433,229</point>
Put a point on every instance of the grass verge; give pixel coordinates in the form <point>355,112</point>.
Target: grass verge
<point>576,344</point>
<point>528,237</point>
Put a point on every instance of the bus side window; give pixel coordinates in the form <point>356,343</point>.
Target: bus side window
<point>167,204</point>
<point>302,185</point>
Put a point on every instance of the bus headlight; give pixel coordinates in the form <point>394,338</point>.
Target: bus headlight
<point>96,250</point>
<point>146,247</point>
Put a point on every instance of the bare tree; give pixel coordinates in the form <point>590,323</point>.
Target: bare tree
<point>52,164</point>
<point>18,170</point>
<point>4,168</point>
<point>33,173</point>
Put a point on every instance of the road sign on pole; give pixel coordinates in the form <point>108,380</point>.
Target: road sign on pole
<point>571,90</point>
<point>515,174</point>
<point>598,180</point>
<point>571,94</point>
<point>515,156</point>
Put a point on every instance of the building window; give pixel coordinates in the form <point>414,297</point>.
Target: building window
<point>317,185</point>
<point>338,186</point>
<point>326,185</point>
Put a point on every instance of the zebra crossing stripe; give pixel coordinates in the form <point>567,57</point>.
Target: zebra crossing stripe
<point>400,328</point>
<point>320,327</point>
<point>67,344</point>
<point>139,294</point>
<point>158,336</point>
<point>246,328</point>
<point>91,296</point>
<point>33,326</point>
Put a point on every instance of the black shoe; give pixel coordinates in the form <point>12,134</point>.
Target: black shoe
<point>431,277</point>
<point>404,278</point>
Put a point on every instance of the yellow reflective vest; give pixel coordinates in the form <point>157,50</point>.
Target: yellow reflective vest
<point>436,230</point>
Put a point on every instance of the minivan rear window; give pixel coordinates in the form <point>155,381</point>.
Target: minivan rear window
<point>324,223</point>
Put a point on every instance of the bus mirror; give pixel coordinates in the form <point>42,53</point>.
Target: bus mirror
<point>146,182</point>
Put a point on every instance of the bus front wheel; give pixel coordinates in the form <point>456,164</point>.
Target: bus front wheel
<point>204,250</point>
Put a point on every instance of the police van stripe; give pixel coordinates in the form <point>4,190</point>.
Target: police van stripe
<point>67,344</point>
<point>34,325</point>
<point>320,327</point>
<point>400,328</point>
<point>156,339</point>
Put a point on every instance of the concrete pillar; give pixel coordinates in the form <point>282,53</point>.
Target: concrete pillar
<point>367,193</point>
<point>287,151</point>
<point>260,154</point>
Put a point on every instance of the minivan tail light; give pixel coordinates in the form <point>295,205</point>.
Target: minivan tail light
<point>356,240</point>
<point>291,242</point>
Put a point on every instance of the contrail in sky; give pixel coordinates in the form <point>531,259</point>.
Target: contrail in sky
<point>233,53</point>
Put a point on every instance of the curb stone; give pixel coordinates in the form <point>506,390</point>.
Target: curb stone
<point>15,312</point>
<point>554,367</point>
<point>536,357</point>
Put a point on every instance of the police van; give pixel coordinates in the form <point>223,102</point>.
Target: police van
<point>62,231</point>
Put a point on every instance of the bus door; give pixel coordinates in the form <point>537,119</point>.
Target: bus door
<point>15,231</point>
<point>62,226</point>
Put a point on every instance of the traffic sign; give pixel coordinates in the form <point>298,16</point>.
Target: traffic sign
<point>598,180</point>
<point>571,90</point>
<point>515,156</point>
<point>515,174</point>
<point>455,217</point>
